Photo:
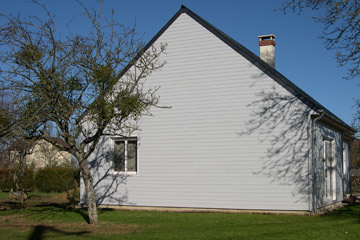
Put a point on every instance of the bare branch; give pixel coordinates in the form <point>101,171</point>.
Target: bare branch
<point>341,21</point>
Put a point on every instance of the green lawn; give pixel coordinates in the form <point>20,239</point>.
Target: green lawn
<point>60,222</point>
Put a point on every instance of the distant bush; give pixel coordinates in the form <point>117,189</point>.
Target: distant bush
<point>43,180</point>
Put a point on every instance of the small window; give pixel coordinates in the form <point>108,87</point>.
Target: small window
<point>125,155</point>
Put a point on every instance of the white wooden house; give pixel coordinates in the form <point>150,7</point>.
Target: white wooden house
<point>238,135</point>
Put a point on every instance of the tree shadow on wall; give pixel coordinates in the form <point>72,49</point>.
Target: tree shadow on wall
<point>109,187</point>
<point>282,123</point>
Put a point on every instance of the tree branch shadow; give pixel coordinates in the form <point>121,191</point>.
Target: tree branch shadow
<point>109,186</point>
<point>283,123</point>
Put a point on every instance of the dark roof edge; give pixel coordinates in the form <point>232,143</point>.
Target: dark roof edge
<point>148,45</point>
<point>250,56</point>
<point>145,48</point>
<point>267,69</point>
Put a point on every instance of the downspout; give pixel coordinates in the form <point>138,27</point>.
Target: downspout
<point>313,134</point>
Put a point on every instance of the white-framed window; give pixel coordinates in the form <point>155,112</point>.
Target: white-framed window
<point>346,167</point>
<point>329,169</point>
<point>125,157</point>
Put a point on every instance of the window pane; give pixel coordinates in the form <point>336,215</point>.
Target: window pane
<point>131,155</point>
<point>119,156</point>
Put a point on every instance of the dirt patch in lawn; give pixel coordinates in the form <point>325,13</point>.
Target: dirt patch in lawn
<point>35,200</point>
<point>20,223</point>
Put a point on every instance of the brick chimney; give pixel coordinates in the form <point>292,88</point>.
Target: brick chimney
<point>267,49</point>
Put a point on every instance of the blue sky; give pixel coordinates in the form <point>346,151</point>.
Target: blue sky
<point>300,54</point>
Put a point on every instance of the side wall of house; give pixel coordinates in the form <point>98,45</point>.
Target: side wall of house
<point>233,137</point>
<point>328,165</point>
<point>347,167</point>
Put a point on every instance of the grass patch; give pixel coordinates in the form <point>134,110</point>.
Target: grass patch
<point>59,222</point>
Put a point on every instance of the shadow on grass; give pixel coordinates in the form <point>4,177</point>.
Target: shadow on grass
<point>39,231</point>
<point>60,211</point>
<point>63,212</point>
<point>6,205</point>
<point>347,212</point>
<point>48,211</point>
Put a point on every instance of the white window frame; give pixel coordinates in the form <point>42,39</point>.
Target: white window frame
<point>329,181</point>
<point>346,162</point>
<point>125,139</point>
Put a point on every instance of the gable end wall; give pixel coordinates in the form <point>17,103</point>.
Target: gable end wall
<point>216,147</point>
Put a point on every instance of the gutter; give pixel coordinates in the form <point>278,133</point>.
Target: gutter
<point>313,135</point>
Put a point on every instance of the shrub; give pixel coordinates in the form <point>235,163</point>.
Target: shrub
<point>43,180</point>
<point>56,179</point>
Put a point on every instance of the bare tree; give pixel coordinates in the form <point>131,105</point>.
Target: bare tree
<point>341,21</point>
<point>7,121</point>
<point>18,152</point>
<point>78,84</point>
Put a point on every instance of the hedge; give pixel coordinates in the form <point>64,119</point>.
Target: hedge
<point>7,180</point>
<point>43,180</point>
<point>55,179</point>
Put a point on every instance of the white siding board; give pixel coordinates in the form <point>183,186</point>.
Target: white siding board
<point>195,153</point>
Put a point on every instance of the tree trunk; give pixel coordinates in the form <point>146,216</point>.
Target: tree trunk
<point>22,196</point>
<point>90,194</point>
